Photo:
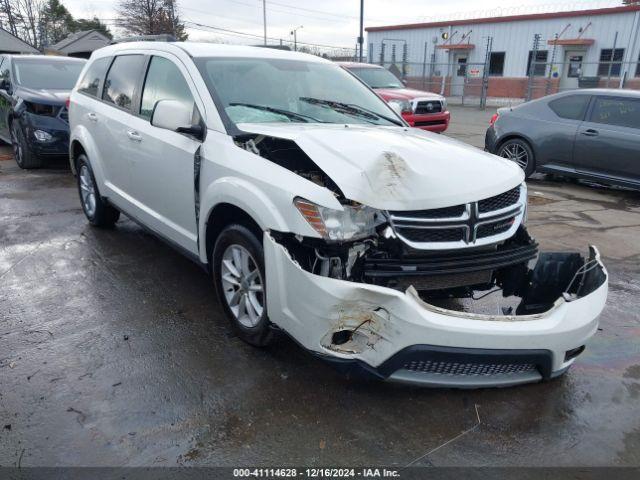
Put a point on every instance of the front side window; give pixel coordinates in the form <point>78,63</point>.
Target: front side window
<point>164,82</point>
<point>572,107</point>
<point>496,64</point>
<point>638,67</point>
<point>54,74</point>
<point>95,74</point>
<point>120,84</point>
<point>278,90</point>
<point>540,65</point>
<point>377,77</point>
<point>610,59</point>
<point>621,112</point>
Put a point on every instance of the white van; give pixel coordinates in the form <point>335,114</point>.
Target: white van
<point>321,214</point>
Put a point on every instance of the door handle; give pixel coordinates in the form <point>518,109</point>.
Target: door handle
<point>133,135</point>
<point>92,116</point>
<point>590,132</point>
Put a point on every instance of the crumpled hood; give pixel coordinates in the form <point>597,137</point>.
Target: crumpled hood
<point>398,168</point>
<point>49,97</point>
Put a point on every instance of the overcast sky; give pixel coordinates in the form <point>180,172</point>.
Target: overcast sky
<point>327,22</point>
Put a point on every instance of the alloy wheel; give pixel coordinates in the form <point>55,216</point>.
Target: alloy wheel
<point>243,285</point>
<point>516,153</point>
<point>15,142</point>
<point>87,191</point>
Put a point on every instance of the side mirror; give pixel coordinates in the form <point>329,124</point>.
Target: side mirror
<point>404,82</point>
<point>175,116</point>
<point>5,85</point>
<point>395,106</point>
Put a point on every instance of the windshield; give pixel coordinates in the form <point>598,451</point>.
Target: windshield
<point>377,77</point>
<point>267,90</point>
<point>47,74</point>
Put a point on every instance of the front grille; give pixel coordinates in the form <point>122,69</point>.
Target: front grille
<point>64,114</point>
<point>494,228</point>
<point>499,202</point>
<point>428,106</point>
<point>422,235</point>
<point>446,212</point>
<point>453,227</point>
<point>470,369</point>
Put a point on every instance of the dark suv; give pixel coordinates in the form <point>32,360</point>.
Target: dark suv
<point>33,115</point>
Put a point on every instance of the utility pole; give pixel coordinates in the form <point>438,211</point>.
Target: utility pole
<point>264,19</point>
<point>361,36</point>
<point>294,32</point>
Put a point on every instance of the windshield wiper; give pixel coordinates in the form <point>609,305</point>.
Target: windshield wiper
<point>286,113</point>
<point>350,108</point>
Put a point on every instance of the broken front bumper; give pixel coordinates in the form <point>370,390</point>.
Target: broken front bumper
<point>395,335</point>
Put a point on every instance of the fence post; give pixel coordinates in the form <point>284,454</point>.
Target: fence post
<point>613,55</point>
<point>382,54</point>
<point>404,61</point>
<point>532,65</point>
<point>424,66</point>
<point>553,57</point>
<point>485,74</point>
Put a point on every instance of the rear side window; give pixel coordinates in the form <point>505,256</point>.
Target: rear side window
<point>120,84</point>
<point>622,112</point>
<point>164,82</point>
<point>95,74</point>
<point>571,107</point>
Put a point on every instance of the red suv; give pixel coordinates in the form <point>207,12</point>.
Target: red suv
<point>425,110</point>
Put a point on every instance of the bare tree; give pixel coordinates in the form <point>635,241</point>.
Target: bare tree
<point>22,18</point>
<point>150,17</point>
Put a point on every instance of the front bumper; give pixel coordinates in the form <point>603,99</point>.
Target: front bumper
<point>433,122</point>
<point>54,126</point>
<point>391,329</point>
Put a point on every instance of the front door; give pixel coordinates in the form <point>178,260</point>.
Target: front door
<point>162,170</point>
<point>608,142</point>
<point>572,69</point>
<point>459,75</point>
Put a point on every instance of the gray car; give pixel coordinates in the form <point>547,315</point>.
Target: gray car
<point>592,134</point>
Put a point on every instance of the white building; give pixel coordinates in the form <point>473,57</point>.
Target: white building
<point>600,43</point>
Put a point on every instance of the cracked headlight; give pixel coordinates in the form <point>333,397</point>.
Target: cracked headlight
<point>352,223</point>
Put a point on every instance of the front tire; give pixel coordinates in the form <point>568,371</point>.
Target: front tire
<point>22,153</point>
<point>520,152</point>
<point>238,273</point>
<point>96,209</point>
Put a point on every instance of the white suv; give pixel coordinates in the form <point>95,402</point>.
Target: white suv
<point>320,213</point>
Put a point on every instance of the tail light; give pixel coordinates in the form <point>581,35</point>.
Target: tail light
<point>67,103</point>
<point>494,117</point>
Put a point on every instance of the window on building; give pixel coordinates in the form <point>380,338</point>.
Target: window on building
<point>638,67</point>
<point>540,67</point>
<point>572,107</point>
<point>121,80</point>
<point>496,64</point>
<point>164,82</point>
<point>91,80</point>
<point>622,112</point>
<point>609,58</point>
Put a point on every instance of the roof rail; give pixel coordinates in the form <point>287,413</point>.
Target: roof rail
<point>162,37</point>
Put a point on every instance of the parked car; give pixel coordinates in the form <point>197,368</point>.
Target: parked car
<point>319,213</point>
<point>33,115</point>
<point>592,134</point>
<point>420,109</point>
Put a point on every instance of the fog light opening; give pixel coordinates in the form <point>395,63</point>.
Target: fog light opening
<point>341,337</point>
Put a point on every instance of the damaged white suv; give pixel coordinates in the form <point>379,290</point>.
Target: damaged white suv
<point>390,251</point>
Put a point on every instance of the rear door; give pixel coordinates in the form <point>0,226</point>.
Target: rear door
<point>162,161</point>
<point>113,118</point>
<point>608,142</point>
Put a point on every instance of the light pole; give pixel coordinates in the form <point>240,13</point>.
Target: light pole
<point>361,36</point>
<point>264,19</point>
<point>294,32</point>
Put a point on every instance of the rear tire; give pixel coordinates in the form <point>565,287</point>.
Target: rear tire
<point>96,209</point>
<point>22,153</point>
<point>238,275</point>
<point>520,152</point>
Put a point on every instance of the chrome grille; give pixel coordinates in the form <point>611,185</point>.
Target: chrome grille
<point>473,224</point>
<point>472,369</point>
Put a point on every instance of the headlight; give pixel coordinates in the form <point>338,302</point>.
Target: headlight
<point>42,136</point>
<point>403,105</point>
<point>352,223</point>
<point>41,109</point>
<point>444,104</point>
